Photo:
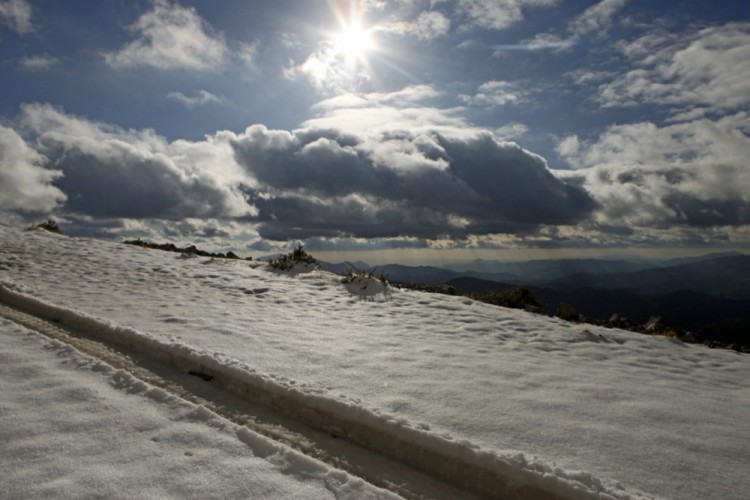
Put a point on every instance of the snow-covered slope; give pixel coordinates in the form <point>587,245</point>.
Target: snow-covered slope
<point>73,427</point>
<point>585,410</point>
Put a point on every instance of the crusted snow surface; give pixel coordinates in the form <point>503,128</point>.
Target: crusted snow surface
<point>576,410</point>
<point>74,427</point>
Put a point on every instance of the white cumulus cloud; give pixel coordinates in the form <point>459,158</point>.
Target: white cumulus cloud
<point>168,37</point>
<point>710,68</point>
<point>693,173</point>
<point>25,184</point>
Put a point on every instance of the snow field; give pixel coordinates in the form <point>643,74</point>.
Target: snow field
<point>461,464</point>
<point>613,413</point>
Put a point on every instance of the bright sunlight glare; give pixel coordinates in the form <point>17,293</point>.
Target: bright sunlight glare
<point>353,42</point>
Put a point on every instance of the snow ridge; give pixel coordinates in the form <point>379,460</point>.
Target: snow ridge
<point>459,463</point>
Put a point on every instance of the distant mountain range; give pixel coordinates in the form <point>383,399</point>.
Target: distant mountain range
<point>725,276</point>
<point>536,270</point>
<point>708,295</point>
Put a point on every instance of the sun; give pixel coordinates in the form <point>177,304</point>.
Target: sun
<point>353,42</point>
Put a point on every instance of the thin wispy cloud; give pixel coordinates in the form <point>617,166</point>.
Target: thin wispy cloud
<point>39,62</point>
<point>497,14</point>
<point>428,26</point>
<point>248,53</point>
<point>200,98</point>
<point>598,18</point>
<point>494,93</point>
<point>542,41</point>
<point>595,20</point>
<point>16,14</point>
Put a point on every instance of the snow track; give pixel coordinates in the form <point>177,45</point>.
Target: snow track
<point>260,418</point>
<point>404,460</point>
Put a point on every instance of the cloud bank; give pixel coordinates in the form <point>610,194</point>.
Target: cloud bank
<point>413,173</point>
<point>366,169</point>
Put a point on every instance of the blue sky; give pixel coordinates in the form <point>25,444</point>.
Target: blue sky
<point>440,128</point>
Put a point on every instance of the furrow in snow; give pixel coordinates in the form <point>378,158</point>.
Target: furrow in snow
<point>459,464</point>
<point>375,468</point>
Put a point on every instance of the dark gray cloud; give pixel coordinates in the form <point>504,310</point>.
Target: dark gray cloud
<point>394,182</point>
<point>694,211</point>
<point>385,179</point>
<point>127,184</point>
<point>110,172</point>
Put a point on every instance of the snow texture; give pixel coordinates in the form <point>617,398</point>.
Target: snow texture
<point>581,411</point>
<point>74,427</point>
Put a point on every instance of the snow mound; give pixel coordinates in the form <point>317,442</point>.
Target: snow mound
<point>367,287</point>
